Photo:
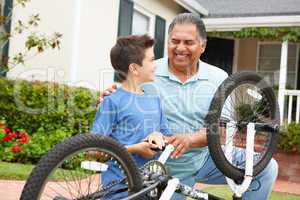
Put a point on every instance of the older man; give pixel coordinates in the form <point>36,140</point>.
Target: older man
<point>186,86</point>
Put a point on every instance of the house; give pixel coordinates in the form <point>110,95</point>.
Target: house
<point>91,27</point>
<point>274,58</point>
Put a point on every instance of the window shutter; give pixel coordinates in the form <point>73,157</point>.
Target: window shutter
<point>125,22</point>
<point>160,28</point>
<point>125,17</point>
<point>4,57</point>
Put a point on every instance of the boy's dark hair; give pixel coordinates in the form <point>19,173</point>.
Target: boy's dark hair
<point>128,50</point>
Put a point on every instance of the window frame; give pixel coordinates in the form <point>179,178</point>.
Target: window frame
<point>260,43</point>
<point>151,16</point>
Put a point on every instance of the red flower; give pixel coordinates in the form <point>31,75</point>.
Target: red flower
<point>16,149</point>
<point>6,138</point>
<point>7,130</point>
<point>23,139</point>
<point>12,135</point>
<point>23,135</point>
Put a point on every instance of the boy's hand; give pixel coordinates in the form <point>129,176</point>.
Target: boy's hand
<point>144,149</point>
<point>156,138</point>
<point>106,92</point>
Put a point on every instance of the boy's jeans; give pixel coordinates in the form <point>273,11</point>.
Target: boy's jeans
<point>261,185</point>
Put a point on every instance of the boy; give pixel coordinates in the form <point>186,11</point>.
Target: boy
<point>128,115</point>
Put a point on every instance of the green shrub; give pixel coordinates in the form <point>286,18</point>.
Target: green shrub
<point>290,137</point>
<point>40,143</point>
<point>34,105</point>
<point>48,111</point>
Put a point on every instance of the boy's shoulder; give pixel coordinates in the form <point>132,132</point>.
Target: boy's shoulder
<point>115,97</point>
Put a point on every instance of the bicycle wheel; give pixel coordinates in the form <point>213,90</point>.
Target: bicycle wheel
<point>73,168</point>
<point>242,98</point>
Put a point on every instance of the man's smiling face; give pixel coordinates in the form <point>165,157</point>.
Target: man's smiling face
<point>184,46</point>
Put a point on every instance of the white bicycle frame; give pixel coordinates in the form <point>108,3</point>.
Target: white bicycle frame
<point>238,190</point>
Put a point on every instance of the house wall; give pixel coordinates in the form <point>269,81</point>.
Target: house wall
<point>247,54</point>
<point>56,16</point>
<point>89,31</point>
<point>166,9</point>
<point>98,33</point>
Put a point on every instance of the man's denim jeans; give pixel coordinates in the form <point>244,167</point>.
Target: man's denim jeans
<point>260,188</point>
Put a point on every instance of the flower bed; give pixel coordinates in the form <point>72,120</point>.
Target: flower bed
<point>11,143</point>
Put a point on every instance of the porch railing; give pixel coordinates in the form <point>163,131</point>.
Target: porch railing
<point>291,96</point>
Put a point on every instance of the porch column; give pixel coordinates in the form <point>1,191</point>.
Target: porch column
<point>282,78</point>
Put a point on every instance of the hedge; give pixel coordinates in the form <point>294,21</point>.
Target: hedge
<point>290,138</point>
<point>44,108</point>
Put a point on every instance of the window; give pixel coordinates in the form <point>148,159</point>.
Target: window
<point>268,62</point>
<point>134,19</point>
<point>142,21</point>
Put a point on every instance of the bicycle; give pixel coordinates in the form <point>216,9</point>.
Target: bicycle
<point>244,109</point>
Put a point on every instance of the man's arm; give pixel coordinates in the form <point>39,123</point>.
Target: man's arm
<point>184,141</point>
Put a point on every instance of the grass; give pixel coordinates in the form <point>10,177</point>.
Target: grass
<point>225,192</point>
<point>15,171</point>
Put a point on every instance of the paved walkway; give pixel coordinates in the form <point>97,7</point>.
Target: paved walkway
<point>11,190</point>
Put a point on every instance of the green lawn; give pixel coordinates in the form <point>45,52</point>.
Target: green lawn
<point>225,192</point>
<point>15,171</point>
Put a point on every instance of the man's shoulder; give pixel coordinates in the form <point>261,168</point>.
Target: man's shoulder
<point>214,71</point>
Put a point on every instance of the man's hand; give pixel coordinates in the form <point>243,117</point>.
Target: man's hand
<point>144,149</point>
<point>106,92</point>
<point>181,142</point>
<point>156,138</point>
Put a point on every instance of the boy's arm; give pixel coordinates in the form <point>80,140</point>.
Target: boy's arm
<point>143,149</point>
<point>105,118</point>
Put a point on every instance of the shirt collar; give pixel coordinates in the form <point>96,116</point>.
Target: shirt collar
<point>163,70</point>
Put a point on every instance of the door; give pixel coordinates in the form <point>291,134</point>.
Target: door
<point>219,52</point>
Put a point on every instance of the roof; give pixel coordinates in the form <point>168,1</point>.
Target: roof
<point>250,8</point>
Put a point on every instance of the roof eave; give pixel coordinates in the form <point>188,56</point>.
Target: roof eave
<point>193,6</point>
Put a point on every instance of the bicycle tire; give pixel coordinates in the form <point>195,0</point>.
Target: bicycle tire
<point>38,178</point>
<point>214,116</point>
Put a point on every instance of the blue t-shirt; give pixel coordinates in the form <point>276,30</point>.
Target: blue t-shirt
<point>128,118</point>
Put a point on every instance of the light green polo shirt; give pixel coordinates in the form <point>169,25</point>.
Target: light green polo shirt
<point>185,106</point>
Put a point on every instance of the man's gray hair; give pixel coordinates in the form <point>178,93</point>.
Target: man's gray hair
<point>191,18</point>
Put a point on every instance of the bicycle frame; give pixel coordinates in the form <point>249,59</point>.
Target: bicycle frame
<point>174,185</point>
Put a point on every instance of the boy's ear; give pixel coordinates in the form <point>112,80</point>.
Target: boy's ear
<point>133,68</point>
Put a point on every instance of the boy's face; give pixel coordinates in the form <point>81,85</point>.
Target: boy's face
<point>146,72</point>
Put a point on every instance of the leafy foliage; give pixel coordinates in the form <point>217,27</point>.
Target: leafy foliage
<point>47,111</point>
<point>35,43</point>
<point>290,138</point>
<point>264,33</point>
